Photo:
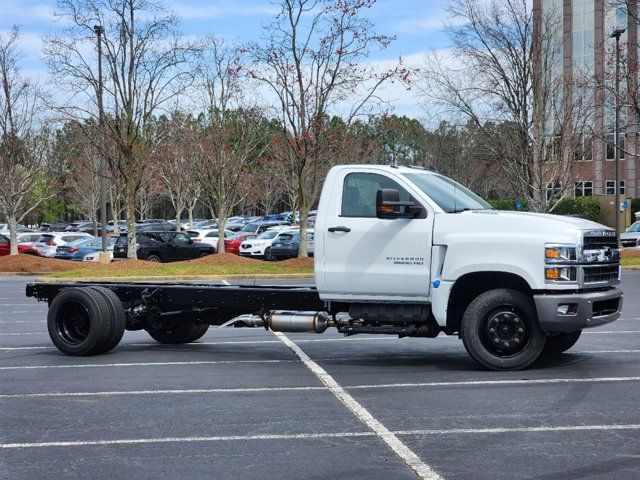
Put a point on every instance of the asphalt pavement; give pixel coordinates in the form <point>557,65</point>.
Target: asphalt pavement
<point>241,404</point>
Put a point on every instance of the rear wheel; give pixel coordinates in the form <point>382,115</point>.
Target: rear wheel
<point>118,317</point>
<point>560,342</point>
<point>178,333</point>
<point>154,259</point>
<point>500,330</point>
<point>79,322</point>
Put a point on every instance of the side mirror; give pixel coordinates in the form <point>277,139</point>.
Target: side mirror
<point>389,206</point>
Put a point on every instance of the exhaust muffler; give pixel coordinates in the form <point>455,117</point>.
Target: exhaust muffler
<point>292,321</point>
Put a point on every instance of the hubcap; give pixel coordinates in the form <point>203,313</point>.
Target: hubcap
<point>505,333</point>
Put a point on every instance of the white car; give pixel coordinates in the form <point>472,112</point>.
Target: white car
<point>48,243</point>
<point>260,246</point>
<point>207,235</point>
<point>30,238</point>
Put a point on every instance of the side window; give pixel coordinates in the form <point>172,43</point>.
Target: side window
<point>4,240</point>
<point>359,193</point>
<point>181,238</point>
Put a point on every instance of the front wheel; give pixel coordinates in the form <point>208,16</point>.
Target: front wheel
<point>561,342</point>
<point>178,333</point>
<point>268,256</point>
<point>154,259</point>
<point>500,330</point>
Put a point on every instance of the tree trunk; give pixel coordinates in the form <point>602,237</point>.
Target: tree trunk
<point>304,215</point>
<point>130,208</point>
<point>222,223</point>
<point>190,210</point>
<point>13,234</point>
<point>115,209</point>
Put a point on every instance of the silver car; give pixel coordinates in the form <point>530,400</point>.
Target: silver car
<point>631,236</point>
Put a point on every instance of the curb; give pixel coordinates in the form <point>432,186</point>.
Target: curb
<point>144,279</point>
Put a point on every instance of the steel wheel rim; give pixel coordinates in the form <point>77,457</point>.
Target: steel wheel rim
<point>72,323</point>
<point>505,332</point>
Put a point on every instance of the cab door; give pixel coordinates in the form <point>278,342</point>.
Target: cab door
<point>5,247</point>
<point>374,258</point>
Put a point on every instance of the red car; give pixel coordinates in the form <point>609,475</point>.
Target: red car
<point>232,245</point>
<point>5,247</point>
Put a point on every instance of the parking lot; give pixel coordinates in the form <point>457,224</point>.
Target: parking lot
<point>245,403</point>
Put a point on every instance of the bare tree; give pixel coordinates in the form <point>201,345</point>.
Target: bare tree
<point>312,60</point>
<point>508,82</point>
<point>24,137</point>
<point>178,161</point>
<point>230,131</point>
<point>147,64</point>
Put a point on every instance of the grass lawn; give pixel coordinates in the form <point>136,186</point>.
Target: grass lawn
<point>169,270</point>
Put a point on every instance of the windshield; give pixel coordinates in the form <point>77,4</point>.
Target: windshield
<point>267,235</point>
<point>448,194</point>
<point>635,228</point>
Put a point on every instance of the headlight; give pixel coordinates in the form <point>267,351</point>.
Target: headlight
<point>560,254</point>
<point>561,274</point>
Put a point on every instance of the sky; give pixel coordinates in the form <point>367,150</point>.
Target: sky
<point>417,24</point>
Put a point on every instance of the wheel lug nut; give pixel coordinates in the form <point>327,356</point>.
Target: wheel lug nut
<point>521,330</point>
<point>517,340</point>
<point>492,330</point>
<point>496,340</point>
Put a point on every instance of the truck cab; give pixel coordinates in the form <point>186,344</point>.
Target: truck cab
<point>406,250</point>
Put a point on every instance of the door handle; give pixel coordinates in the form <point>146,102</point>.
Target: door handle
<point>339,229</point>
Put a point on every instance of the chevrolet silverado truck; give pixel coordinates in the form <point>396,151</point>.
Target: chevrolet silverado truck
<point>399,250</point>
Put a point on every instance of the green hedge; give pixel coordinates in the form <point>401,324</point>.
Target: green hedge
<point>587,207</point>
<point>507,204</point>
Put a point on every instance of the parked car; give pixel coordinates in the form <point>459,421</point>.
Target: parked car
<point>259,227</point>
<point>160,226</point>
<point>122,226</point>
<point>260,246</point>
<point>161,246</point>
<point>4,228</point>
<point>5,247</point>
<point>631,236</point>
<point>54,227</point>
<point>288,244</point>
<point>84,249</point>
<point>208,235</point>
<point>232,244</point>
<point>48,243</point>
<point>78,225</point>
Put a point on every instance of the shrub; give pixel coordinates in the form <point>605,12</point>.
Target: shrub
<point>588,207</point>
<point>507,204</point>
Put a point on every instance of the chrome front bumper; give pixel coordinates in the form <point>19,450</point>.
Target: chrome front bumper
<point>584,310</point>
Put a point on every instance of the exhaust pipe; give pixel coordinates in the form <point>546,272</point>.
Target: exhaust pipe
<point>292,321</point>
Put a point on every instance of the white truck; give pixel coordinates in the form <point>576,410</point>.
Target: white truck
<point>398,250</point>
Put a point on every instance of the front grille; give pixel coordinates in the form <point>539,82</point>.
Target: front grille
<point>600,240</point>
<point>600,273</point>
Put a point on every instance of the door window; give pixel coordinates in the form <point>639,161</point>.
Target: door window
<point>4,240</point>
<point>359,193</point>
<point>181,238</point>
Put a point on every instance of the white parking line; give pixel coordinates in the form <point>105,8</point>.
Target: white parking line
<point>305,436</point>
<point>22,321</point>
<point>142,364</point>
<point>22,333</point>
<point>196,391</point>
<point>609,332</point>
<point>412,460</point>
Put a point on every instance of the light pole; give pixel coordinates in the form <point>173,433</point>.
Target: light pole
<point>616,34</point>
<point>104,255</point>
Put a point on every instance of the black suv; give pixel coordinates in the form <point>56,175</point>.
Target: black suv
<point>160,246</point>
<point>156,227</point>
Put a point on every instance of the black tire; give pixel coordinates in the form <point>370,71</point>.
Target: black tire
<point>560,342</point>
<point>154,259</point>
<point>500,330</point>
<point>180,333</point>
<point>268,256</point>
<point>79,322</point>
<point>118,317</point>
<point>204,254</point>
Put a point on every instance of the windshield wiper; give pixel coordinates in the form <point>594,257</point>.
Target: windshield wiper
<point>467,209</point>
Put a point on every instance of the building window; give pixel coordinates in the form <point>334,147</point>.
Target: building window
<point>554,189</point>
<point>583,149</point>
<point>583,189</point>
<point>611,187</point>
<point>611,150</point>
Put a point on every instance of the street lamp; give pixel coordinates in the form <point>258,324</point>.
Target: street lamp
<point>616,34</point>
<point>104,255</point>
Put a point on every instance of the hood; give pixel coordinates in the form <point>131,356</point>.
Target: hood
<point>497,223</point>
<point>629,235</point>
